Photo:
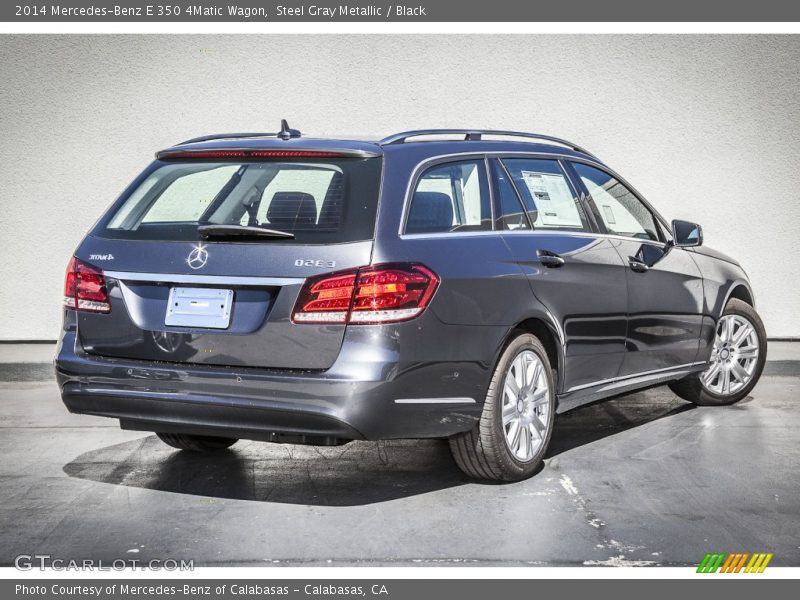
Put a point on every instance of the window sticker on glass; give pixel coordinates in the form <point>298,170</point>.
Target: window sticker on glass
<point>553,199</point>
<point>609,215</point>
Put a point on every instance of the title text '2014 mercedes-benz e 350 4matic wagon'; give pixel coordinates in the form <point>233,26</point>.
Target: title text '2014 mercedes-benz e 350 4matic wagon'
<point>458,284</point>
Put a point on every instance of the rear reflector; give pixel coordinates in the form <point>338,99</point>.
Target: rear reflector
<point>248,154</point>
<point>369,295</point>
<point>85,288</point>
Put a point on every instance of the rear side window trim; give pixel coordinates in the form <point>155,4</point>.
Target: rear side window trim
<point>565,159</point>
<point>423,167</point>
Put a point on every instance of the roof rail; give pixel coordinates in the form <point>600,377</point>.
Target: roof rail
<point>476,134</point>
<point>285,134</point>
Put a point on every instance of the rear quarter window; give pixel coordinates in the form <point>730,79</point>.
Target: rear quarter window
<point>451,197</point>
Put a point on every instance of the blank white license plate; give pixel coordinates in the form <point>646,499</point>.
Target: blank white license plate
<point>199,307</point>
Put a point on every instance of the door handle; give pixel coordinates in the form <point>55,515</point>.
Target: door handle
<point>551,260</point>
<point>637,265</point>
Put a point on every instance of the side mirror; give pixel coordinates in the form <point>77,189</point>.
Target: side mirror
<point>685,234</point>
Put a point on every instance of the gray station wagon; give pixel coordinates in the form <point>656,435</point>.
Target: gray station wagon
<point>457,284</point>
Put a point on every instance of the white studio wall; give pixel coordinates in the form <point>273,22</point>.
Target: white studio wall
<point>705,127</point>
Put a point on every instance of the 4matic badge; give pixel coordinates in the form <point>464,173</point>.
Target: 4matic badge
<point>198,257</point>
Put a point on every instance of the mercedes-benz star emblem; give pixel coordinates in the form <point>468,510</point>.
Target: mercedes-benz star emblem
<point>198,257</point>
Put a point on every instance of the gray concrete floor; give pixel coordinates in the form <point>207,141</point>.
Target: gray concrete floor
<point>643,479</point>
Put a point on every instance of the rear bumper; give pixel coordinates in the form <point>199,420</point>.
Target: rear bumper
<point>368,394</point>
<point>154,410</point>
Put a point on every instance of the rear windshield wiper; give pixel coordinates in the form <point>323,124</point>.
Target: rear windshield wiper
<point>241,231</point>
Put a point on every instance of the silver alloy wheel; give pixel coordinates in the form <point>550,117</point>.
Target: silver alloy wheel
<point>526,405</point>
<point>734,357</point>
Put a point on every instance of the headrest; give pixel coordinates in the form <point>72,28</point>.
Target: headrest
<point>430,212</point>
<point>292,209</point>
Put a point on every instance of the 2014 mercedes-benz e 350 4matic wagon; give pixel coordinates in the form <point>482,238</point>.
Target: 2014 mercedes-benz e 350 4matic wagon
<point>457,284</point>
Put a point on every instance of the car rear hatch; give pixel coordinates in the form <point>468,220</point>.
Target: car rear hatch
<point>203,257</point>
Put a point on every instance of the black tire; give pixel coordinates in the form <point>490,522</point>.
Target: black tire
<point>691,388</point>
<point>196,443</point>
<point>483,453</point>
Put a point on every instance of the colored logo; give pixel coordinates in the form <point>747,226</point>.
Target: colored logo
<point>740,562</point>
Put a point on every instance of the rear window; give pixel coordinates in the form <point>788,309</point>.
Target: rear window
<point>319,201</point>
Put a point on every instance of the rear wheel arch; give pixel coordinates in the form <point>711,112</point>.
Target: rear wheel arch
<point>523,421</point>
<point>549,338</point>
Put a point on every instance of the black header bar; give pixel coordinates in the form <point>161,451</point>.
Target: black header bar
<point>288,11</point>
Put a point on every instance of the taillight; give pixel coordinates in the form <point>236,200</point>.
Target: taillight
<point>393,293</point>
<point>85,288</point>
<point>325,299</point>
<point>369,295</point>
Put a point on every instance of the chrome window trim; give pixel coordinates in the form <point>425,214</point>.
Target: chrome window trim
<point>441,158</point>
<point>500,232</point>
<point>589,234</point>
<point>418,172</point>
<point>417,236</point>
<point>206,279</point>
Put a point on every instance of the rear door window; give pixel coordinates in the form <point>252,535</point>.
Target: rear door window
<point>319,201</point>
<point>549,198</point>
<point>451,197</point>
